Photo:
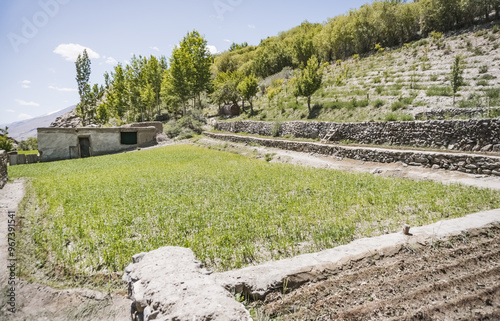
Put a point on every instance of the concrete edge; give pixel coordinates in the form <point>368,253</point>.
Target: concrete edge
<point>258,281</point>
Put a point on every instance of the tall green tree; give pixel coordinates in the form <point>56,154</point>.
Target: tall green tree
<point>201,61</point>
<point>225,88</point>
<point>456,76</point>
<point>248,88</point>
<point>181,74</point>
<point>309,80</point>
<point>84,107</point>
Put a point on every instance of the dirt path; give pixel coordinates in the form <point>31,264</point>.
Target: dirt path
<point>40,302</point>
<point>454,280</point>
<point>388,169</point>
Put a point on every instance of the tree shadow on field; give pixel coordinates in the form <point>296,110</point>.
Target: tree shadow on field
<point>315,111</point>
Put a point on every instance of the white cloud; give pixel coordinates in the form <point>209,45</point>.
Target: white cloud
<point>62,89</point>
<point>212,49</point>
<point>27,103</point>
<point>10,110</point>
<point>111,61</point>
<point>155,48</point>
<point>25,83</point>
<point>52,70</point>
<point>24,116</point>
<point>251,26</point>
<point>227,40</point>
<point>70,51</point>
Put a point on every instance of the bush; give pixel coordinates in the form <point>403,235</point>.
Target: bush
<point>186,127</point>
<point>439,91</point>
<point>391,117</point>
<point>493,93</point>
<point>6,144</point>
<point>482,83</point>
<point>397,105</point>
<point>378,103</point>
<point>483,69</point>
<point>28,144</point>
<point>276,130</point>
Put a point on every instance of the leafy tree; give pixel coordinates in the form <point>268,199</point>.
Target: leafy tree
<point>5,142</point>
<point>200,60</point>
<point>225,88</point>
<point>28,144</point>
<point>234,46</point>
<point>309,80</point>
<point>148,99</point>
<point>457,70</point>
<point>274,90</point>
<point>248,88</point>
<point>83,70</point>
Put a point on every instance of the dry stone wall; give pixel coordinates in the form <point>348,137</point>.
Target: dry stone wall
<point>3,168</point>
<point>467,163</point>
<point>464,135</point>
<point>445,113</point>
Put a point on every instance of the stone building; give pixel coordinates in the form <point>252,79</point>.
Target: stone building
<point>69,143</point>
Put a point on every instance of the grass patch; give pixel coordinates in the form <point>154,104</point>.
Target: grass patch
<point>94,214</point>
<point>439,91</point>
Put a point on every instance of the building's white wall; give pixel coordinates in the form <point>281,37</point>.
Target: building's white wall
<point>55,143</point>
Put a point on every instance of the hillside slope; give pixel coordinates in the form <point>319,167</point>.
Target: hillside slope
<point>399,83</point>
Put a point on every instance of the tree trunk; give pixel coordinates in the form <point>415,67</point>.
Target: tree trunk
<point>183,108</point>
<point>251,106</point>
<point>309,103</point>
<point>243,105</point>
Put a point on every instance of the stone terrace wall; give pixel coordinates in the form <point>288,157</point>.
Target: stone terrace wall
<point>457,112</point>
<point>467,163</point>
<point>465,135</point>
<point>3,168</point>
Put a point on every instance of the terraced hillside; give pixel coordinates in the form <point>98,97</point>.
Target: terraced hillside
<point>399,83</point>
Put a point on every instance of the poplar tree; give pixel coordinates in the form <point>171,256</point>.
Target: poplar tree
<point>83,109</point>
<point>456,75</point>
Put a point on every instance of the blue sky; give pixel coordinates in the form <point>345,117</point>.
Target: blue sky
<point>41,39</point>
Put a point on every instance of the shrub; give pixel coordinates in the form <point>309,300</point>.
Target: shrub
<point>439,91</point>
<point>495,29</point>
<point>482,83</point>
<point>397,105</point>
<point>483,69</point>
<point>6,144</point>
<point>407,117</point>
<point>391,117</point>
<point>276,129</point>
<point>493,93</point>
<point>434,77</point>
<point>378,103</point>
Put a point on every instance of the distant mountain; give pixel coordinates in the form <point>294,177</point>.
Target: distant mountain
<point>27,128</point>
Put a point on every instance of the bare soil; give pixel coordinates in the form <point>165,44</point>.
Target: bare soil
<point>458,279</point>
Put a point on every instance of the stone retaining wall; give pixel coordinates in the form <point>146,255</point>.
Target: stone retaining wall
<point>467,163</point>
<point>457,112</point>
<point>3,168</point>
<point>465,135</point>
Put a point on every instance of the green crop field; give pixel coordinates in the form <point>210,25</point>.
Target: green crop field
<point>91,215</point>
